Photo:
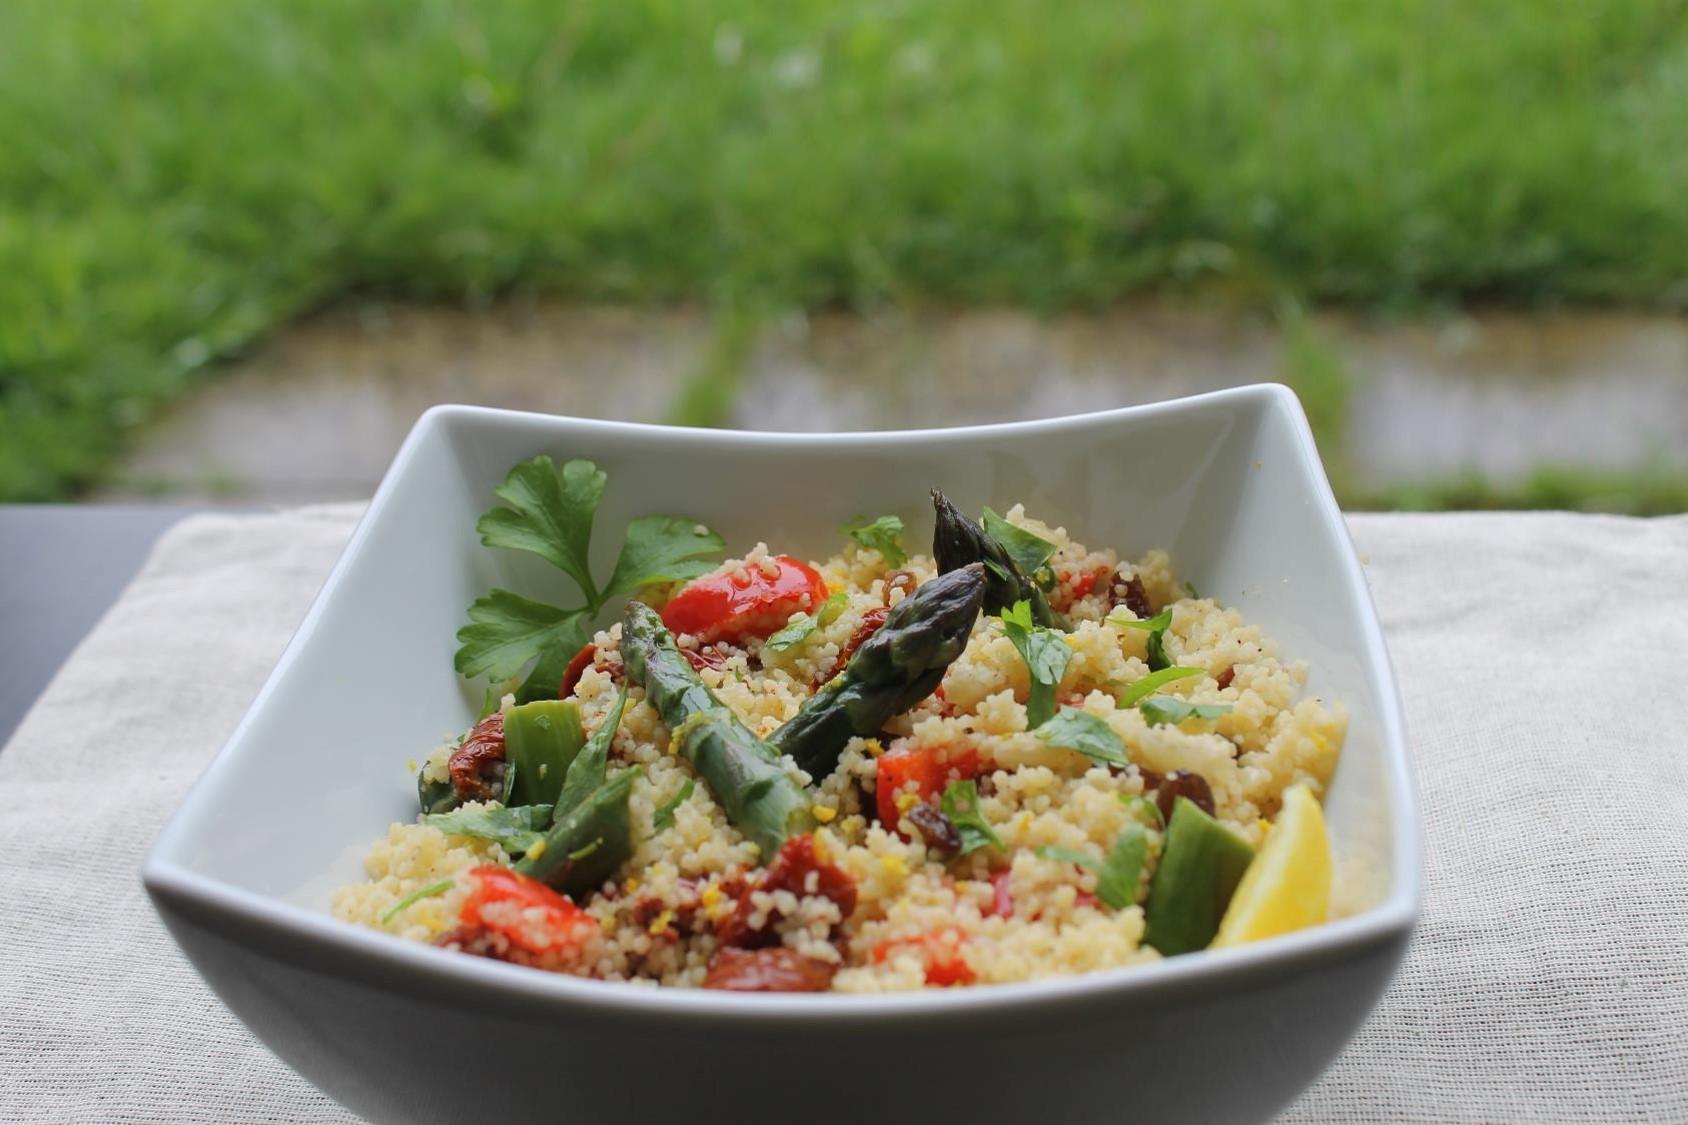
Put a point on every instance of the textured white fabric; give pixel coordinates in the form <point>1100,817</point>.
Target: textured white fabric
<point>1541,661</point>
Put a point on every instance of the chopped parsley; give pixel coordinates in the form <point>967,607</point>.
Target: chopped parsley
<point>1046,655</point>
<point>1117,875</point>
<point>549,512</point>
<point>883,535</point>
<point>1030,552</point>
<point>1159,709</point>
<point>1132,693</point>
<point>515,829</point>
<point>800,628</point>
<point>1084,732</point>
<point>414,897</point>
<point>960,803</point>
<point>665,815</point>
<point>1156,627</point>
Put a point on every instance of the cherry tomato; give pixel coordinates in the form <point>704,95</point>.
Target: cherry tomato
<point>542,920</point>
<point>748,603</point>
<point>940,949</point>
<point>929,767</point>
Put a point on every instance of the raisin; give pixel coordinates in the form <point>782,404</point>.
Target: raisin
<point>1225,677</point>
<point>903,580</point>
<point>935,828</point>
<point>1129,592</point>
<point>477,765</point>
<point>767,970</point>
<point>1184,783</point>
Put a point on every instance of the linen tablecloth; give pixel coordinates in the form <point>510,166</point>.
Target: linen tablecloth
<point>1542,662</point>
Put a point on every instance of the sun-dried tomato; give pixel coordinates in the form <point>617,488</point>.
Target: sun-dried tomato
<point>872,621</point>
<point>477,765</point>
<point>791,871</point>
<point>767,970</point>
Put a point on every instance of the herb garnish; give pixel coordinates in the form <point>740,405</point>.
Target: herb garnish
<point>883,535</point>
<point>549,513</point>
<point>1046,655</point>
<point>800,628</point>
<point>1117,876</point>
<point>1156,627</point>
<point>1091,736</point>
<point>1159,709</point>
<point>415,897</point>
<point>960,803</point>
<point>1029,551</point>
<point>515,829</point>
<point>665,815</point>
<point>1148,685</point>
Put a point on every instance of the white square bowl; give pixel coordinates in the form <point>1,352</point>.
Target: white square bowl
<point>1229,482</point>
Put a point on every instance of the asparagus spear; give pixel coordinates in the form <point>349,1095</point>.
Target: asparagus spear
<point>894,669</point>
<point>746,776</point>
<point>958,541</point>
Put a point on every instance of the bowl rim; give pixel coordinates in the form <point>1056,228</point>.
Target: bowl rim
<point>302,935</point>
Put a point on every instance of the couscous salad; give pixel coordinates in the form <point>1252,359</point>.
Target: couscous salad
<point>1015,757</point>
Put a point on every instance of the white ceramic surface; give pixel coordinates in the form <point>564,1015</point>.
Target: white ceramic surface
<point>1229,482</point>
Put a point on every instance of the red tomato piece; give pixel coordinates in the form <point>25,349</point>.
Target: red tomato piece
<point>1002,899</point>
<point>748,603</point>
<point>576,668</point>
<point>940,949</point>
<point>929,767</point>
<point>531,915</point>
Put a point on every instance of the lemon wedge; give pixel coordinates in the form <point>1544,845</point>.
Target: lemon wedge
<point>1287,887</point>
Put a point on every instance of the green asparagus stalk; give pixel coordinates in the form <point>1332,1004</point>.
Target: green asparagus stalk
<point>898,666</point>
<point>959,541</point>
<point>746,776</point>
<point>589,843</point>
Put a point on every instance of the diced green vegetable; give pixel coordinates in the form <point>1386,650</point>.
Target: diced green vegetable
<point>799,629</point>
<point>665,815</point>
<point>1091,736</point>
<point>960,803</point>
<point>1046,655</point>
<point>1159,709</point>
<point>1132,693</point>
<point>414,897</point>
<point>883,535</point>
<point>588,845</point>
<point>515,829</point>
<point>541,740</point>
<point>1201,863</point>
<point>589,768</point>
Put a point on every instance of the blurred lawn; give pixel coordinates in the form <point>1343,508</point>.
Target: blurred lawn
<point>181,175</point>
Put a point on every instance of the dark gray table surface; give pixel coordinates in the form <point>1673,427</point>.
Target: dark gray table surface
<point>60,570</point>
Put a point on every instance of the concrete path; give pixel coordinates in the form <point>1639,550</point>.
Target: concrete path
<point>318,412</point>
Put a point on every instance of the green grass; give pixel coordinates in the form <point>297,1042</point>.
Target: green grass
<point>180,176</point>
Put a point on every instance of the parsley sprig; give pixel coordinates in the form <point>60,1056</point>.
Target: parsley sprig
<point>549,512</point>
<point>1046,655</point>
<point>883,535</point>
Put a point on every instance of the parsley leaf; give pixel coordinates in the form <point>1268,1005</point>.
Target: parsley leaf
<point>800,628</point>
<point>517,829</point>
<point>414,897</point>
<point>1117,876</point>
<point>1159,709</point>
<point>1139,689</point>
<point>662,549</point>
<point>1116,884</point>
<point>1157,627</point>
<point>550,514</point>
<point>1143,808</point>
<point>1029,552</point>
<point>506,630</point>
<point>960,803</point>
<point>1080,730</point>
<point>1046,655</point>
<point>1190,590</point>
<point>883,535</point>
<point>665,815</point>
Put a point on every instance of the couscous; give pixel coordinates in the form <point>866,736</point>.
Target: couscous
<point>1016,757</point>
